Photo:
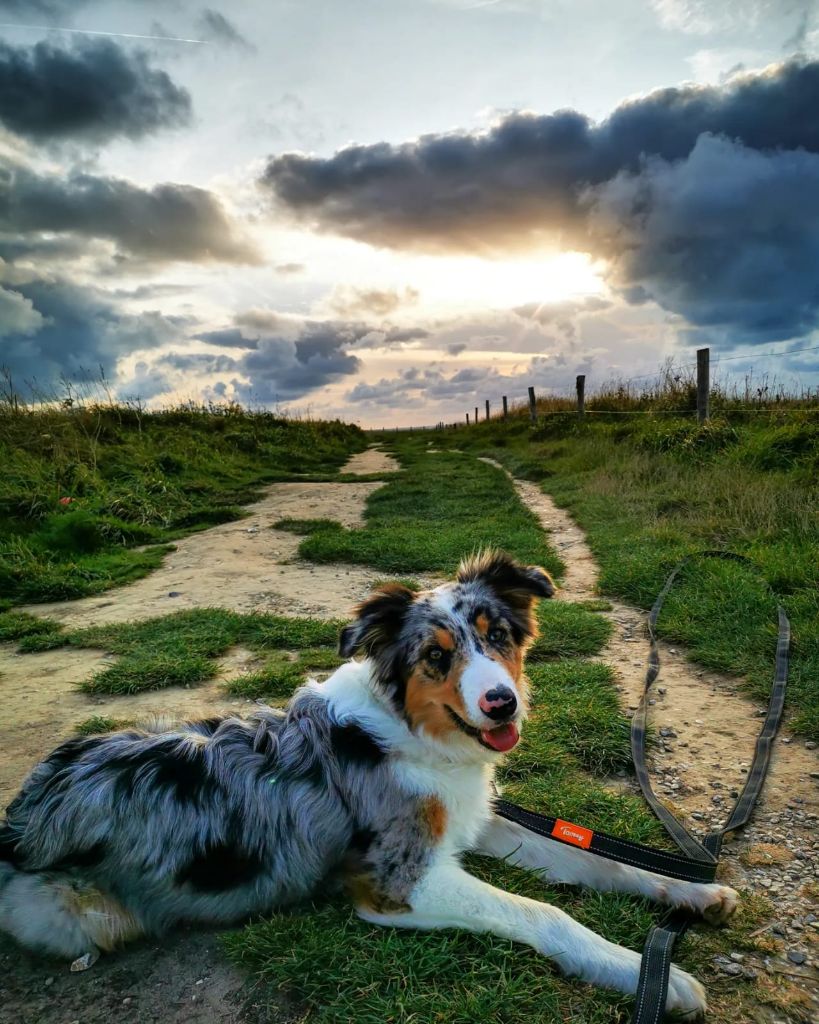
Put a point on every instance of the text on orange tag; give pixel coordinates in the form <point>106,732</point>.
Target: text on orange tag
<point>575,834</point>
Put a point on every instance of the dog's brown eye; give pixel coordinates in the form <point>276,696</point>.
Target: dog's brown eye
<point>435,653</point>
<point>497,636</point>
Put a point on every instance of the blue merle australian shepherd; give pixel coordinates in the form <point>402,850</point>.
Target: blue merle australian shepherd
<point>381,776</point>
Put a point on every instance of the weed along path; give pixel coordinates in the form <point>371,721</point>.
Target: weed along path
<point>706,731</point>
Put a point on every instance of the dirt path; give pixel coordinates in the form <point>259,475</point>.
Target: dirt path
<point>707,730</point>
<point>244,566</point>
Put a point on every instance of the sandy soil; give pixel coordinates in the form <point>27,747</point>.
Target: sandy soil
<point>707,730</point>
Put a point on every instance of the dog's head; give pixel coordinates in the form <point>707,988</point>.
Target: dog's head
<point>451,659</point>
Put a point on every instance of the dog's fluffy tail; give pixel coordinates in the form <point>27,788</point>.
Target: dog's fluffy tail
<point>60,915</point>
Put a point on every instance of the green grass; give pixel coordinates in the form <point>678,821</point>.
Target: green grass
<point>277,680</point>
<point>427,517</point>
<point>648,492</point>
<point>19,626</point>
<point>133,478</point>
<point>181,649</point>
<point>568,630</point>
<point>97,724</point>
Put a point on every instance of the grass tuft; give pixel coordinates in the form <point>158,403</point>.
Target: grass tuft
<point>97,724</point>
<point>567,631</point>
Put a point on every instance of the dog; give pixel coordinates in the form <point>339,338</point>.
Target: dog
<point>382,776</point>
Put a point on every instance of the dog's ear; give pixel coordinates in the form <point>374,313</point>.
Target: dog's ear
<point>378,621</point>
<point>518,586</point>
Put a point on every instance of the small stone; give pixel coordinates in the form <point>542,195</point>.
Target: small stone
<point>796,956</point>
<point>730,968</point>
<point>737,957</point>
<point>48,981</point>
<point>174,593</point>
<point>810,744</point>
<point>126,1001</point>
<point>82,963</point>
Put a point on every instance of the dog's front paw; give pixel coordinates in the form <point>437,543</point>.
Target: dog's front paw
<point>686,997</point>
<point>720,904</point>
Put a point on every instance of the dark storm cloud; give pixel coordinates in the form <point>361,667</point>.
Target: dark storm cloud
<point>524,177</point>
<point>76,331</point>
<point>215,27</point>
<point>167,222</point>
<point>280,370</point>
<point>228,337</point>
<point>291,359</point>
<point>603,188</point>
<point>199,362</point>
<point>728,237</point>
<point>434,384</point>
<point>92,92</point>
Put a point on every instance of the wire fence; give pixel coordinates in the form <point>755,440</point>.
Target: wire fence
<point>689,383</point>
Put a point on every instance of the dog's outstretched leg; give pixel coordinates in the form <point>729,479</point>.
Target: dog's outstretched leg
<point>449,897</point>
<point>573,866</point>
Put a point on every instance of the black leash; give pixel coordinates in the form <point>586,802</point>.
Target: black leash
<point>698,861</point>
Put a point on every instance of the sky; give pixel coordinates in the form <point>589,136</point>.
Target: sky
<point>391,211</point>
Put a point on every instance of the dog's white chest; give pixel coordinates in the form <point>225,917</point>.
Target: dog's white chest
<point>464,790</point>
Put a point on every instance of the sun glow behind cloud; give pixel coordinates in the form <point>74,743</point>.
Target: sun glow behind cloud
<point>454,284</point>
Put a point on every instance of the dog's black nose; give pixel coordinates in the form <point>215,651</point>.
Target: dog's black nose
<point>499,703</point>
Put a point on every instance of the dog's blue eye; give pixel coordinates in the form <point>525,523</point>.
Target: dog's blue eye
<point>497,636</point>
<point>435,653</point>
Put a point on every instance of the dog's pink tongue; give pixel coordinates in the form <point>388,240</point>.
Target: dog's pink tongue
<point>503,738</point>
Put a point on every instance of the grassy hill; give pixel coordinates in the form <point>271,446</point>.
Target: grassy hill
<point>90,494</point>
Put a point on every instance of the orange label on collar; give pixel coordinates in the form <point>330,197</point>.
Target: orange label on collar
<point>574,834</point>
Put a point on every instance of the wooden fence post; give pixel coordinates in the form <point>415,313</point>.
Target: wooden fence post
<point>476,415</point>
<point>487,410</point>
<point>703,384</point>
<point>505,408</point>
<point>580,384</point>
<point>467,419</point>
<point>532,406</point>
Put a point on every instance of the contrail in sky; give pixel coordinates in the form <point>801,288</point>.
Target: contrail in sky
<point>91,32</point>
